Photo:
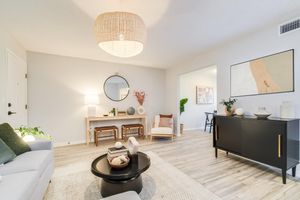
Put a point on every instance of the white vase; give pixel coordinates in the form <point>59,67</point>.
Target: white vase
<point>141,110</point>
<point>239,111</point>
<point>287,110</point>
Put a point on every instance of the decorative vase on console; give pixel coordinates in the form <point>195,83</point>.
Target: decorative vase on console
<point>140,96</point>
<point>229,110</point>
<point>287,110</point>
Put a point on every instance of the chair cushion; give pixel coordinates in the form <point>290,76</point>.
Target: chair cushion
<point>162,130</point>
<point>6,154</point>
<point>8,135</point>
<point>18,186</point>
<point>166,116</point>
<point>165,122</point>
<point>32,160</point>
<point>125,195</point>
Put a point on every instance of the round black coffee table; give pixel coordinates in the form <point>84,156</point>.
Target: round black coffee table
<point>115,181</point>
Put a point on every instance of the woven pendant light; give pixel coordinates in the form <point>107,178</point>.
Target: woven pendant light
<point>121,34</point>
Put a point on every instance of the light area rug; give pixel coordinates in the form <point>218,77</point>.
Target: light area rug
<point>161,181</point>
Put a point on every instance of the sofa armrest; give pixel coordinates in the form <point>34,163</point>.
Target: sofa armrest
<point>40,144</point>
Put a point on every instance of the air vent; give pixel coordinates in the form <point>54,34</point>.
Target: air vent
<point>289,26</point>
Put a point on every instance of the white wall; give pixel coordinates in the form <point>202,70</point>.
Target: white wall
<point>57,85</point>
<point>7,42</point>
<point>253,46</point>
<point>194,117</point>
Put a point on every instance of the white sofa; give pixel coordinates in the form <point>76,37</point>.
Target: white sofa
<point>28,175</point>
<point>157,131</point>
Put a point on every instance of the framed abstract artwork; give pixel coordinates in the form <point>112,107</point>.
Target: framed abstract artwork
<point>204,95</point>
<point>266,75</point>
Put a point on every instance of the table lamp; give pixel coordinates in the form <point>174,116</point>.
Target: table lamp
<point>92,100</point>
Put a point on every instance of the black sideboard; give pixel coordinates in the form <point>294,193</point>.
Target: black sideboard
<point>272,141</point>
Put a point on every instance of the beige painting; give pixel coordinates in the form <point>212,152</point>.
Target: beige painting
<point>270,74</point>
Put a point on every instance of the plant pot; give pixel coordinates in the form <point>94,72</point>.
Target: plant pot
<point>181,128</point>
<point>229,113</point>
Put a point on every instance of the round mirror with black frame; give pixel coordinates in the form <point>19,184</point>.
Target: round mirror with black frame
<point>116,88</point>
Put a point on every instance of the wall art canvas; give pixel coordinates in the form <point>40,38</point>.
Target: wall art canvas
<point>269,74</point>
<point>204,95</point>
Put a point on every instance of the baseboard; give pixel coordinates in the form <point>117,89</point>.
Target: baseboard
<point>192,129</point>
<point>61,144</point>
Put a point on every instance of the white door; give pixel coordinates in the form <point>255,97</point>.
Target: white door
<point>16,90</point>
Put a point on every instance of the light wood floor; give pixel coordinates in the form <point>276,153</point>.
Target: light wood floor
<point>229,177</point>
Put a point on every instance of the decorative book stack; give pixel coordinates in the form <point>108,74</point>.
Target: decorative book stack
<point>115,152</point>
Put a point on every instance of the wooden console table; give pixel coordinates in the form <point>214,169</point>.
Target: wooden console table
<point>272,141</point>
<point>89,120</point>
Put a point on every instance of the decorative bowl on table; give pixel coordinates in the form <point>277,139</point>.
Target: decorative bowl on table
<point>262,116</point>
<point>262,113</point>
<point>119,162</point>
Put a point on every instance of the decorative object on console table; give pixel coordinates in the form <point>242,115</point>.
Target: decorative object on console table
<point>92,100</point>
<point>239,111</point>
<point>287,110</point>
<point>182,103</point>
<point>274,141</point>
<point>262,113</point>
<point>229,110</point>
<point>122,113</point>
<point>130,111</point>
<point>204,95</point>
<point>140,96</point>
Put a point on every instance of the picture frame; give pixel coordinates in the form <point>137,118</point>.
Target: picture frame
<point>204,95</point>
<point>269,74</point>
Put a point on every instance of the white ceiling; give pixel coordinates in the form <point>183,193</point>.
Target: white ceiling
<point>178,30</point>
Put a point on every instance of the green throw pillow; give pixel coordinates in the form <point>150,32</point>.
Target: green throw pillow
<point>6,154</point>
<point>8,135</point>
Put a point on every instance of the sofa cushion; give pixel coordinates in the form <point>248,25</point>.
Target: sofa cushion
<point>6,154</point>
<point>32,160</point>
<point>19,185</point>
<point>8,135</point>
<point>162,130</point>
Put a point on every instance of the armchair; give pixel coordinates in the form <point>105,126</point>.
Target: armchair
<point>162,130</point>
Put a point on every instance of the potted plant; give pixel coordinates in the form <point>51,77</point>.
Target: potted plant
<point>181,108</point>
<point>29,134</point>
<point>229,110</point>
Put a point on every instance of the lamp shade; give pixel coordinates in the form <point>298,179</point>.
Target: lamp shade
<point>91,99</point>
<point>121,34</point>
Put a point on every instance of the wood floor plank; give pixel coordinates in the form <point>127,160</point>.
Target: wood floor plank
<point>228,176</point>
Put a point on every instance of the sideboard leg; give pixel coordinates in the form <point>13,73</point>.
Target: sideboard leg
<point>226,152</point>
<point>294,171</point>
<point>216,152</point>
<point>283,176</point>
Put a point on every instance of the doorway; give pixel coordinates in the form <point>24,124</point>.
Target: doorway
<point>200,88</point>
<point>16,90</point>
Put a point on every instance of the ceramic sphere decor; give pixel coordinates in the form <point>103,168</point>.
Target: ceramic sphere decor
<point>130,111</point>
<point>120,34</point>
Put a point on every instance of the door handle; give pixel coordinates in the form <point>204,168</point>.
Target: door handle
<point>216,133</point>
<point>11,113</point>
<point>279,146</point>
